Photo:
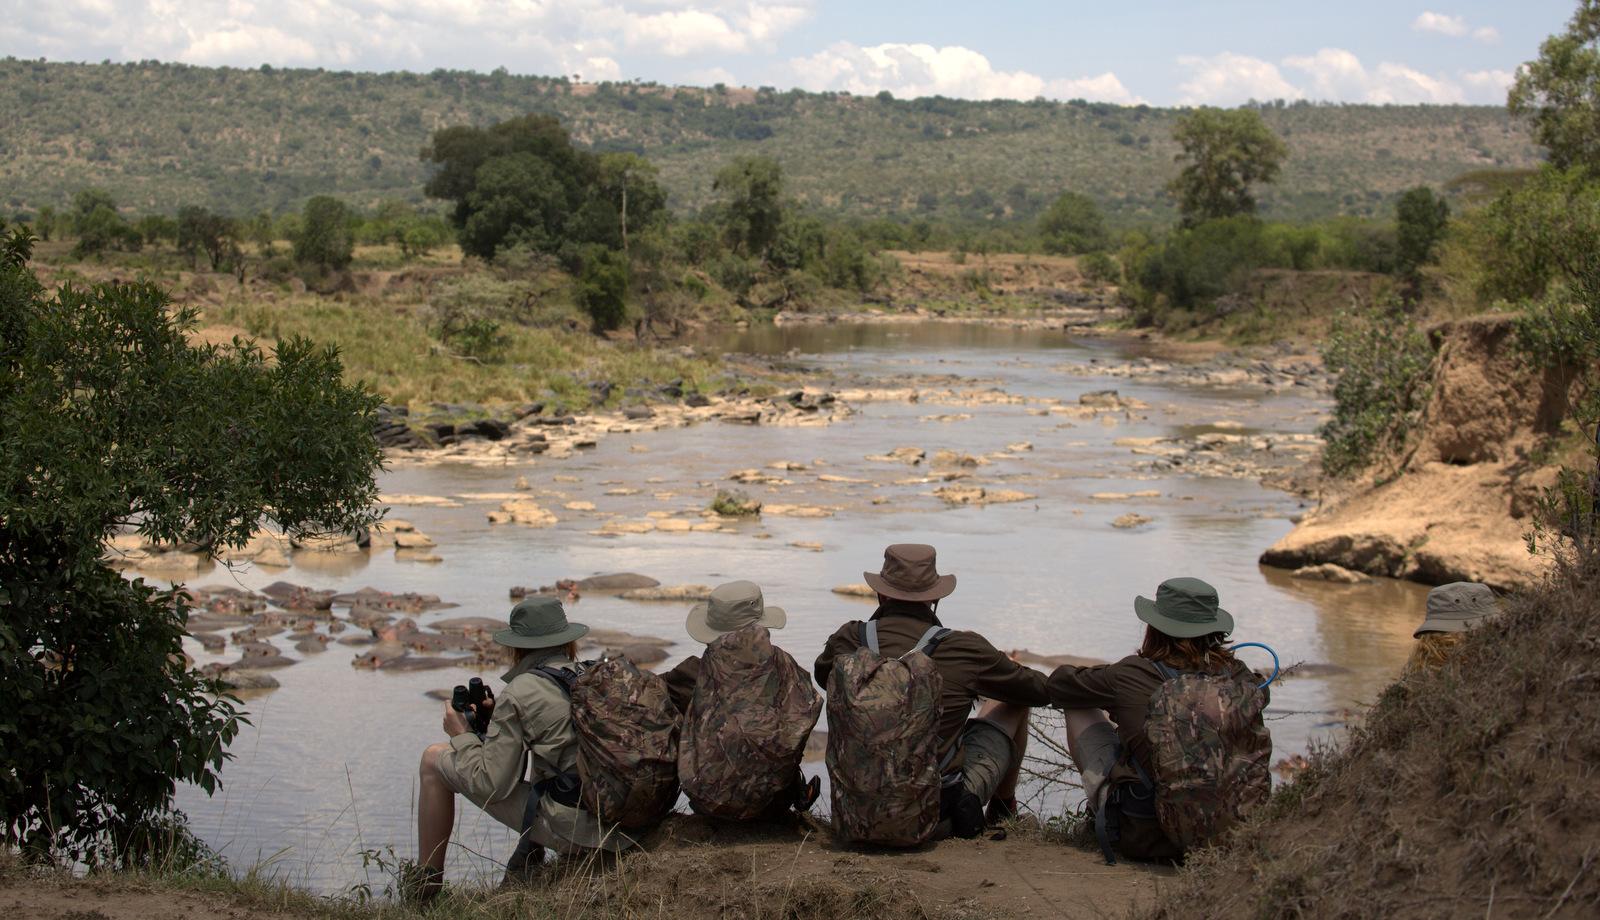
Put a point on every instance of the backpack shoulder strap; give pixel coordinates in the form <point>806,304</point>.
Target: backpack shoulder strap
<point>561,677</point>
<point>930,640</point>
<point>1167,673</point>
<point>869,636</point>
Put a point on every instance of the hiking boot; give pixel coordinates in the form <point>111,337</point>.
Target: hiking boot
<point>967,819</point>
<point>809,793</point>
<point>420,885</point>
<point>1001,810</point>
<point>524,863</point>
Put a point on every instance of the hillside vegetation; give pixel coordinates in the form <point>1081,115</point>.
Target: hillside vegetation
<point>158,136</point>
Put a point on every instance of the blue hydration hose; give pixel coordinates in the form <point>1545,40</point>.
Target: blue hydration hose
<point>1236,647</point>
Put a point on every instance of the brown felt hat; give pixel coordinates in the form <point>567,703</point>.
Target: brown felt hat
<point>911,573</point>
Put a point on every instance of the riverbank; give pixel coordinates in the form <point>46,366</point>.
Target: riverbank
<point>690,869</point>
<point>1455,500</point>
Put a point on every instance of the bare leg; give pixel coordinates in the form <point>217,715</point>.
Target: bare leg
<point>1013,720</point>
<point>1079,721</point>
<point>436,810</point>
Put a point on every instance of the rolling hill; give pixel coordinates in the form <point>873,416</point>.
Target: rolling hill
<point>158,136</point>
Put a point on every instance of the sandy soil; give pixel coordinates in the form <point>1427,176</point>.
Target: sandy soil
<point>698,869</point>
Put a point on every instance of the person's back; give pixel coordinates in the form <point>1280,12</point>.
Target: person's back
<point>980,755</point>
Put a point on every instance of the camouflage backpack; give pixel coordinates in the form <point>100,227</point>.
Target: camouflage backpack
<point>1210,750</point>
<point>883,742</point>
<point>627,743</point>
<point>746,728</point>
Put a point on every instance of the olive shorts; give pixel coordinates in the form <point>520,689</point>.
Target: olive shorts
<point>989,756</point>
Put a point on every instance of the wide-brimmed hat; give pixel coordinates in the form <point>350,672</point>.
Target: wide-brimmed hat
<point>732,606</point>
<point>540,622</point>
<point>1457,607</point>
<point>911,573</point>
<point>1184,608</point>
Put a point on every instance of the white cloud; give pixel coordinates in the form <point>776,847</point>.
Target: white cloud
<point>1230,79</point>
<point>1454,27</point>
<point>1337,74</point>
<point>526,36</point>
<point>1489,85</point>
<point>923,70</point>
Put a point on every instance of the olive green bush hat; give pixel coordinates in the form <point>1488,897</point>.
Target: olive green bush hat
<point>1457,607</point>
<point>732,606</point>
<point>1184,608</point>
<point>540,622</point>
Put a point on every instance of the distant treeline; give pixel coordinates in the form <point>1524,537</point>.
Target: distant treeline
<point>243,141</point>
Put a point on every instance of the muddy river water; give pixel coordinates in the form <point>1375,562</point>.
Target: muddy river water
<point>327,767</point>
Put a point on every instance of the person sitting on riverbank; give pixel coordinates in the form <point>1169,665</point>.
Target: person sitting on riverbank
<point>980,756</point>
<point>1452,610</point>
<point>747,701</point>
<point>530,721</point>
<point>1146,778</point>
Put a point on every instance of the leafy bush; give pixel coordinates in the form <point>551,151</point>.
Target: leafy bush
<point>1382,361</point>
<point>1100,268</point>
<point>109,416</point>
<point>1196,266</point>
<point>1073,224</point>
<point>325,241</point>
<point>603,287</point>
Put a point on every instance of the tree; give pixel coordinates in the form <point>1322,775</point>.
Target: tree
<point>603,287</point>
<point>1420,218</point>
<point>156,228</point>
<point>46,223</point>
<point>98,225</point>
<point>110,417</point>
<point>1073,224</point>
<point>1226,153</point>
<point>1560,92</point>
<point>324,240</point>
<point>479,169</point>
<point>752,190</point>
<point>200,230</point>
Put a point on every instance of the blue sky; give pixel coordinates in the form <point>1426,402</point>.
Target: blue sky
<point>1159,51</point>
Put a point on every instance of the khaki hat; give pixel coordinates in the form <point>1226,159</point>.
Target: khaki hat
<point>1457,607</point>
<point>732,606</point>
<point>1184,608</point>
<point>540,622</point>
<point>911,573</point>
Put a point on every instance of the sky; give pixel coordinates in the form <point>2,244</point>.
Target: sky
<point>1161,52</point>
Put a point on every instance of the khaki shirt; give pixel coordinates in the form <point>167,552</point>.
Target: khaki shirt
<point>532,725</point>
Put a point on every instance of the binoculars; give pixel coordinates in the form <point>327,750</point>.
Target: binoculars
<point>467,699</point>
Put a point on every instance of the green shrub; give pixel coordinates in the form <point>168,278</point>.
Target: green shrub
<point>1195,266</point>
<point>1382,361</point>
<point>1100,268</point>
<point>108,415</point>
<point>603,287</point>
<point>325,241</point>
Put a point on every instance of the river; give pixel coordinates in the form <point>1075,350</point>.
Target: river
<point>327,767</point>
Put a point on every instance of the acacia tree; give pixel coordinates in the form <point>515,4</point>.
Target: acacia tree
<point>1560,92</point>
<point>200,230</point>
<point>111,418</point>
<point>1226,152</point>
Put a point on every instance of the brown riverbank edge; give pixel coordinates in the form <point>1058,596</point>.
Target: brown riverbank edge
<point>690,868</point>
<point>1454,502</point>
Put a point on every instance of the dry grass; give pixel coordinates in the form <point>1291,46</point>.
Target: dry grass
<point>1471,789</point>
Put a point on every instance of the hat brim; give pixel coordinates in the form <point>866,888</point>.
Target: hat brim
<point>1146,610</point>
<point>1443,625</point>
<point>944,587</point>
<point>700,629</point>
<point>513,639</point>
